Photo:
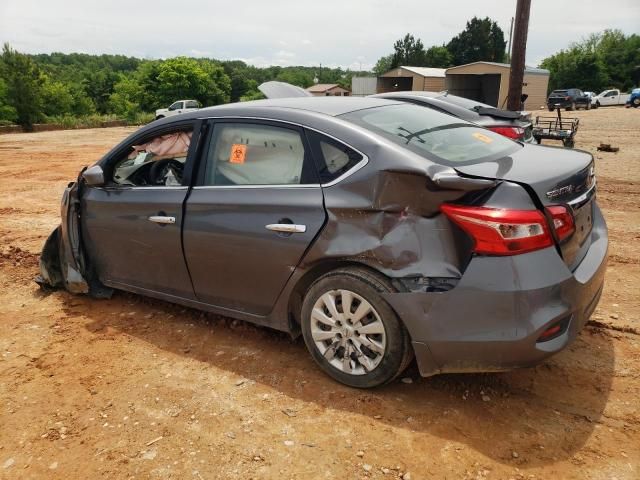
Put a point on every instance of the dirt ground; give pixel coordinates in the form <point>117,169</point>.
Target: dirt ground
<point>137,388</point>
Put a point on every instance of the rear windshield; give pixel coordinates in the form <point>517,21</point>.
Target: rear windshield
<point>433,135</point>
<point>559,92</point>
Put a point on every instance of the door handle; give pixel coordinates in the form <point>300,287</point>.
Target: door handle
<point>286,227</point>
<point>161,219</point>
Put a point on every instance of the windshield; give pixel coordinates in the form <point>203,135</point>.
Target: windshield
<point>432,134</point>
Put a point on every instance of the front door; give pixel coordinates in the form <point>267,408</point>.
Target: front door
<point>255,211</point>
<point>132,224</point>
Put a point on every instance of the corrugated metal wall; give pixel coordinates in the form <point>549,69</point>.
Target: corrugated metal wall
<point>363,86</point>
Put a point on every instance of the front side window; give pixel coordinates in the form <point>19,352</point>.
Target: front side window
<point>256,154</point>
<point>191,104</point>
<point>157,161</point>
<point>433,135</point>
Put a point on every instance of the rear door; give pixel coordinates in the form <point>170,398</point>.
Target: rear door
<point>255,210</point>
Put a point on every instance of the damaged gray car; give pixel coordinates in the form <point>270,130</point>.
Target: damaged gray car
<point>381,231</point>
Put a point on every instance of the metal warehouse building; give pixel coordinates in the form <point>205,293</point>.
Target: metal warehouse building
<point>412,78</point>
<point>488,82</point>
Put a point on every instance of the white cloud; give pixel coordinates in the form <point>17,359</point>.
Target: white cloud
<point>283,32</point>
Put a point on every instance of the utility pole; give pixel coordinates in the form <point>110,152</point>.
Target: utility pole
<point>516,76</point>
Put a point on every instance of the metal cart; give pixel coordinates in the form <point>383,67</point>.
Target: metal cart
<point>556,128</point>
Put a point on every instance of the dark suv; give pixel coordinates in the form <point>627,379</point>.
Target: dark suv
<point>570,99</point>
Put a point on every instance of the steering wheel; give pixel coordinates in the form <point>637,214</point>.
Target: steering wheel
<point>160,169</point>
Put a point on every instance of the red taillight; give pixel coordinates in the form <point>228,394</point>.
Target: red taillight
<point>517,133</point>
<point>562,221</point>
<point>501,231</point>
<point>510,232</point>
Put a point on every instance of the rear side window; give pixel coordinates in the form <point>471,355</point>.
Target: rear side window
<point>256,154</point>
<point>333,159</point>
<point>433,135</point>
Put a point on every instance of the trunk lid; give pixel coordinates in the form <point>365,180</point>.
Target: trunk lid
<point>275,89</point>
<point>553,176</point>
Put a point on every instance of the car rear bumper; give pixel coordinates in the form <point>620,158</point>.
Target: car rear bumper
<point>493,318</point>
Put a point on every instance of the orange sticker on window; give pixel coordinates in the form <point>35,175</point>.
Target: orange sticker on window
<point>482,137</point>
<point>238,153</point>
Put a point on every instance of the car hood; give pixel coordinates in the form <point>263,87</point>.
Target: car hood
<point>282,90</point>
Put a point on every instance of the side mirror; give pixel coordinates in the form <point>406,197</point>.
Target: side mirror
<point>94,176</point>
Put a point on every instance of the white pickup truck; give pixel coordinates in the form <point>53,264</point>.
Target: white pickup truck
<point>181,106</point>
<point>611,97</point>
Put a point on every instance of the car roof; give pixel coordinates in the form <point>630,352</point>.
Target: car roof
<point>408,93</point>
<point>332,106</point>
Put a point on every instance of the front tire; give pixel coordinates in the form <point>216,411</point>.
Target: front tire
<point>571,107</point>
<point>636,102</point>
<point>351,331</point>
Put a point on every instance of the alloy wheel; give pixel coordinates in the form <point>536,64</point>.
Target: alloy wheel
<point>348,332</point>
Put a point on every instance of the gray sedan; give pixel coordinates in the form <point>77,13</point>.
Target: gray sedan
<point>515,125</point>
<point>379,230</point>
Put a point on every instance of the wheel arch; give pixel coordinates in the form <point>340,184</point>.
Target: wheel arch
<point>296,295</point>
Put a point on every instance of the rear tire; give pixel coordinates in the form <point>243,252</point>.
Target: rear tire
<point>159,117</point>
<point>336,310</point>
<point>550,109</point>
<point>636,102</point>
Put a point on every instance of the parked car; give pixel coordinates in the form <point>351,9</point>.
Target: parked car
<point>569,99</point>
<point>181,106</point>
<point>515,125</point>
<point>380,230</point>
<point>592,97</point>
<point>634,98</point>
<point>611,97</point>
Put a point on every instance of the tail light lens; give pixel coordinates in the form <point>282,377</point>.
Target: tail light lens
<point>562,221</point>
<point>517,133</point>
<point>509,232</point>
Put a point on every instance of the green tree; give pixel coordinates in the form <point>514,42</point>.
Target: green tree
<point>383,64</point>
<point>438,57</point>
<point>183,77</point>
<point>57,98</point>
<point>125,99</point>
<point>300,78</point>
<point>482,39</point>
<point>600,61</point>
<point>23,81</point>
<point>409,52</point>
<point>7,112</point>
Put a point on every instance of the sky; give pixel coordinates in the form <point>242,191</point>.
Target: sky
<point>348,33</point>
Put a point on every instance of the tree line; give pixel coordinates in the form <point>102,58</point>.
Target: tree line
<point>481,39</point>
<point>604,60</point>
<point>57,87</point>
<point>61,88</point>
